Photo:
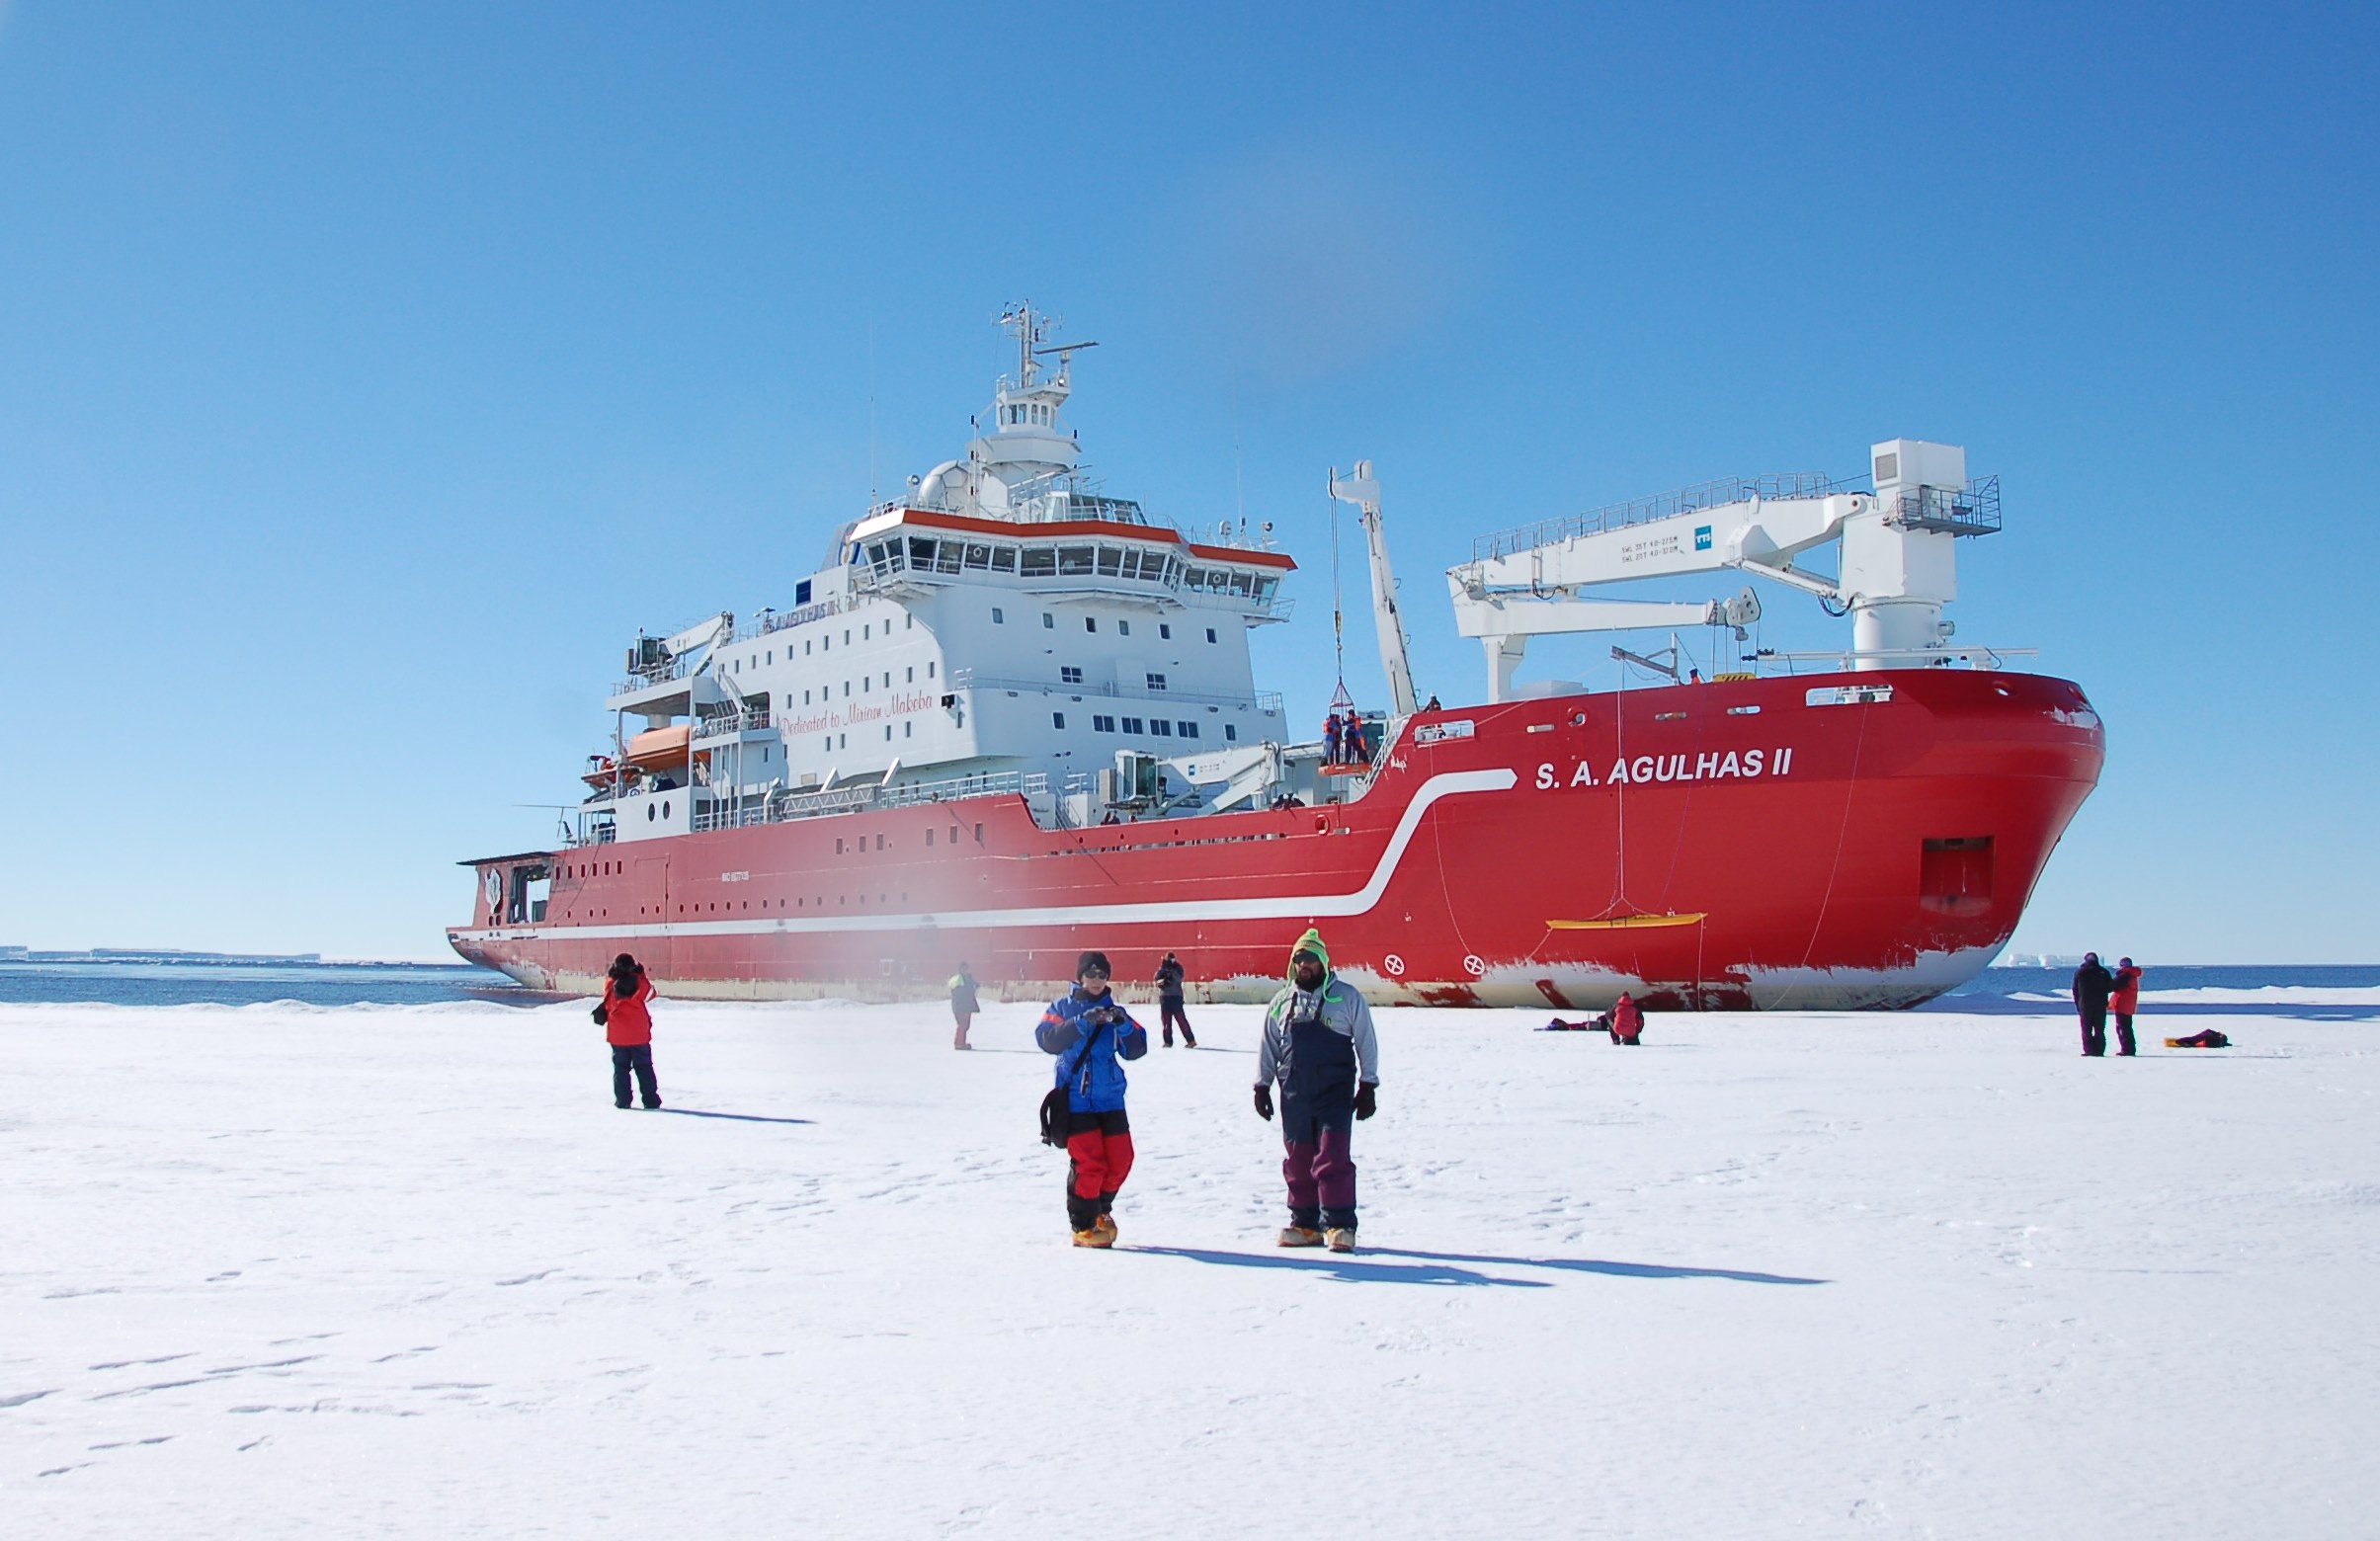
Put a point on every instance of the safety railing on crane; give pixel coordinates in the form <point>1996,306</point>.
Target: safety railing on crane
<point>1661,506</point>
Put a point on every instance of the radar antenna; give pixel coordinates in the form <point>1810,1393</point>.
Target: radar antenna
<point>1032,330</point>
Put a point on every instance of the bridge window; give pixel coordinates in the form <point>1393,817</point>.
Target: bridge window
<point>1037,562</point>
<point>1004,560</point>
<point>1074,561</point>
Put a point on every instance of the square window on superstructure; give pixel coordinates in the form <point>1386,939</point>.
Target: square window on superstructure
<point>1155,682</point>
<point>1057,719</point>
<point>1160,728</point>
<point>1131,724</point>
<point>1069,674</point>
<point>1189,729</point>
<point>1102,724</point>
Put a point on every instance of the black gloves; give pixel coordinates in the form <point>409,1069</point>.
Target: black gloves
<point>1263,1103</point>
<point>1368,1102</point>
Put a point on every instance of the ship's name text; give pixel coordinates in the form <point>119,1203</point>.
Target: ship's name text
<point>1709,766</point>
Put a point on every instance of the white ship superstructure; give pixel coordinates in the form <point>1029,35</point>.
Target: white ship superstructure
<point>1003,624</point>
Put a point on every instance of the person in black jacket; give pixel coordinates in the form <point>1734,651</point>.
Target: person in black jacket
<point>1169,1002</point>
<point>2093,985</point>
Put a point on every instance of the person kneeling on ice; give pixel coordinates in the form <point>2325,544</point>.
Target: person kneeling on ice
<point>1087,1031</point>
<point>627,1019</point>
<point>1627,1020</point>
<point>1317,1043</point>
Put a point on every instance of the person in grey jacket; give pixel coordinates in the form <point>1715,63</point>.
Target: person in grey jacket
<point>1319,1044</point>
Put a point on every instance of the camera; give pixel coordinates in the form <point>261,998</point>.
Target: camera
<point>1104,1016</point>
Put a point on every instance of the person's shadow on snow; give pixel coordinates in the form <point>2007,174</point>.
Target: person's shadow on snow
<point>1344,1266</point>
<point>699,1112</point>
<point>1436,1268</point>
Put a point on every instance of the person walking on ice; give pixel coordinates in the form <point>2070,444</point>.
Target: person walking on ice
<point>1169,1003</point>
<point>963,1004</point>
<point>2123,1001</point>
<point>1090,1033</point>
<point>2093,985</point>
<point>628,1017</point>
<point>1317,1043</point>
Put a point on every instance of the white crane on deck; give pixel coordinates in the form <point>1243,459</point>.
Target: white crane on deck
<point>1897,568</point>
<point>1364,491</point>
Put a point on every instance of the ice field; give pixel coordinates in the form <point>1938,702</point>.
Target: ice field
<point>292,1271</point>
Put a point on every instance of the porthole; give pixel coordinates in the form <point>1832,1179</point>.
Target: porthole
<point>648,813</point>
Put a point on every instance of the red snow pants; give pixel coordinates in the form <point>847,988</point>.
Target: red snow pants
<point>1099,1149</point>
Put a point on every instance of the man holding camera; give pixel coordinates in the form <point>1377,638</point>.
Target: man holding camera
<point>1090,1032</point>
<point>1317,1043</point>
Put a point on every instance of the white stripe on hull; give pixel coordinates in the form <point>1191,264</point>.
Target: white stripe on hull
<point>1151,912</point>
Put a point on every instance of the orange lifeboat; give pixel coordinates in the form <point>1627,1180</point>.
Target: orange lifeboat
<point>660,749</point>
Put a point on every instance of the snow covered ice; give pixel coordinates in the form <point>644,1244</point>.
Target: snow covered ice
<point>284,1271</point>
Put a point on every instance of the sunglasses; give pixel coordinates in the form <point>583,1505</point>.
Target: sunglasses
<point>1095,973</point>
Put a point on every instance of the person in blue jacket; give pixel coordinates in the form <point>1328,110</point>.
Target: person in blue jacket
<point>1090,1033</point>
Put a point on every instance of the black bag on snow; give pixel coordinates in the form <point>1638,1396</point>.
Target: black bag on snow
<point>603,1014</point>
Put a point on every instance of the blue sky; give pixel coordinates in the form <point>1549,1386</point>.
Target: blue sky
<point>369,377</point>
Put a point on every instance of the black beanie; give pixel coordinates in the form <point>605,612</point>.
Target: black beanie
<point>1091,960</point>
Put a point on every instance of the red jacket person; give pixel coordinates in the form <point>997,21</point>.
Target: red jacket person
<point>628,1027</point>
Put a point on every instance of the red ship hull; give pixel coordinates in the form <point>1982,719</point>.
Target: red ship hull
<point>1740,845</point>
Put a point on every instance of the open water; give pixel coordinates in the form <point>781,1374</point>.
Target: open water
<point>2024,992</point>
<point>252,984</point>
